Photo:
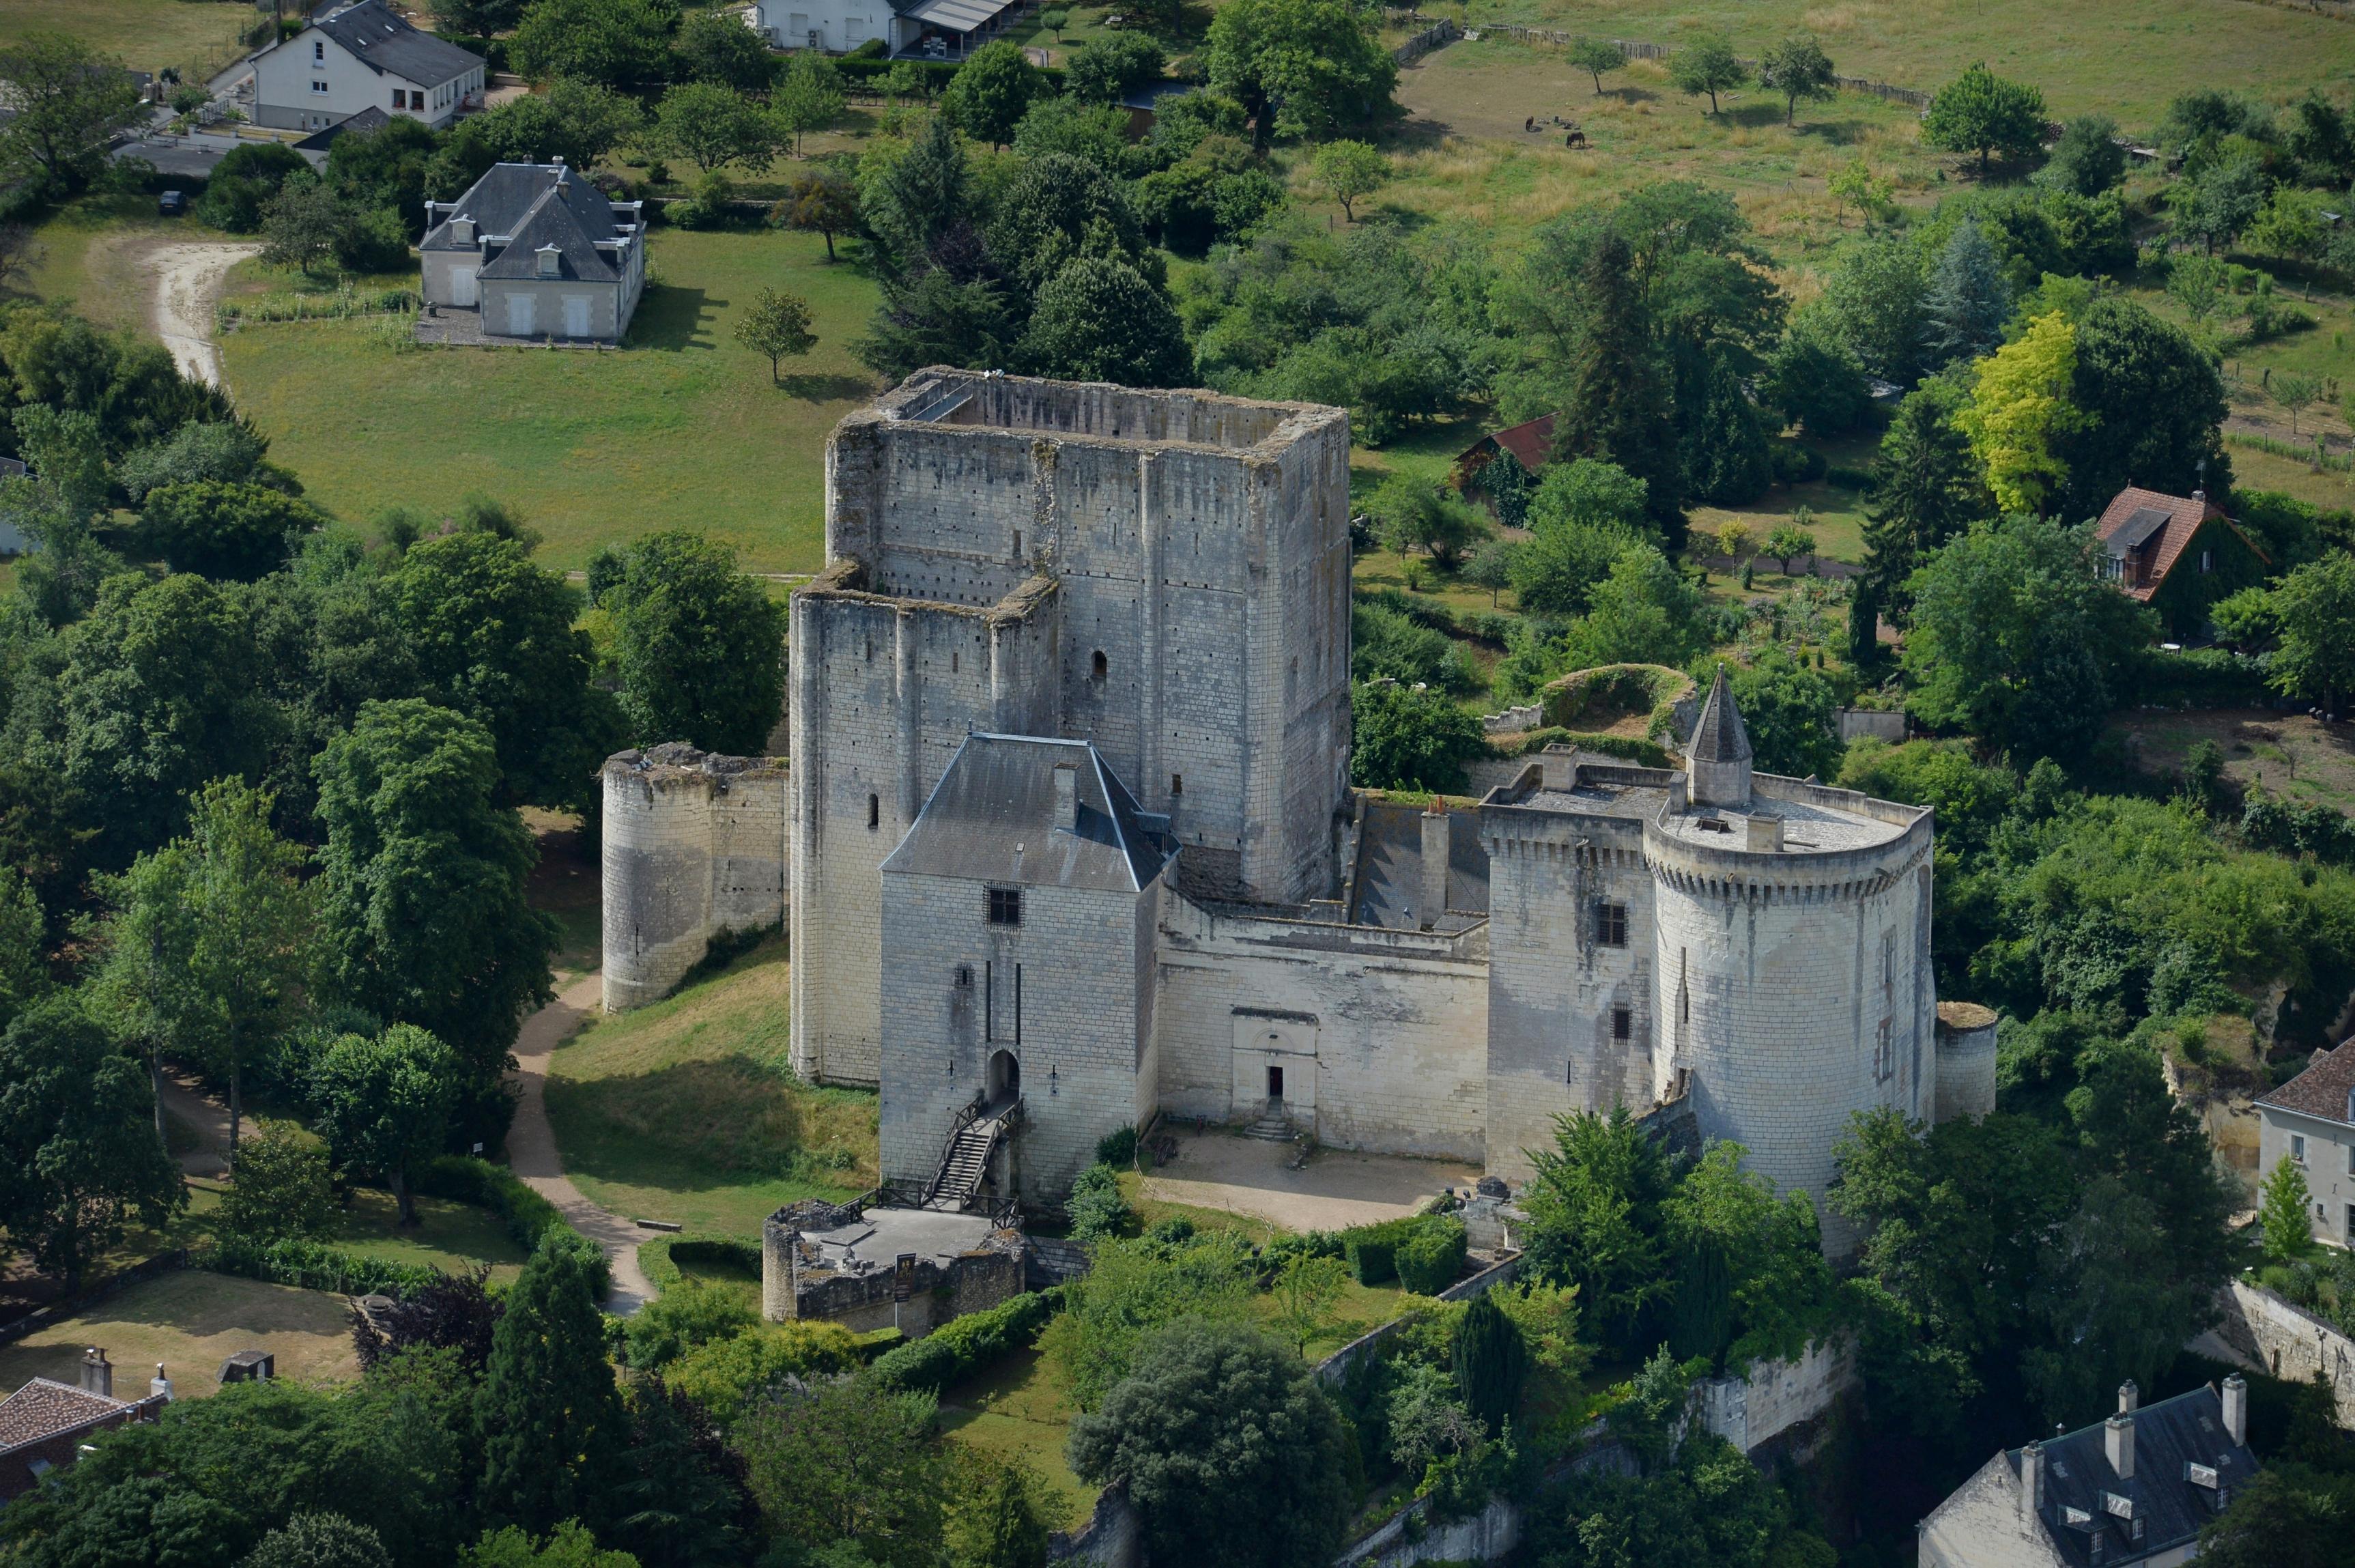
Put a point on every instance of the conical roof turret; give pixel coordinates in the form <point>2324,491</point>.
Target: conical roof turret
<point>1718,758</point>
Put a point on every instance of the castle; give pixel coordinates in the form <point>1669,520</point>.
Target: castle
<point>1069,840</point>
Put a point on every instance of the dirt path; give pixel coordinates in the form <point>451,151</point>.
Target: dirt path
<point>531,1145</point>
<point>186,1100</point>
<point>188,287</point>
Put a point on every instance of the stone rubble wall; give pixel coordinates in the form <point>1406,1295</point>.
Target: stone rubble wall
<point>2269,1335</point>
<point>694,846</point>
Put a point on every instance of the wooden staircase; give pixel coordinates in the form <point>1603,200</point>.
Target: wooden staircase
<point>965,1161</point>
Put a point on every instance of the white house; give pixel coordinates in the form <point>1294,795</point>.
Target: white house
<point>539,251</point>
<point>352,58</point>
<point>935,29</point>
<point>2310,1120</point>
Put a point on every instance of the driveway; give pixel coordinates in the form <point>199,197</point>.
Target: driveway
<point>188,287</point>
<point>1338,1189</point>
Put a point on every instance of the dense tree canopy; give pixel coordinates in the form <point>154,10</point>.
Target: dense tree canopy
<point>1300,68</point>
<point>698,647</point>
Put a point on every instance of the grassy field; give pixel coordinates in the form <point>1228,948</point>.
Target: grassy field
<point>191,1321</point>
<point>451,1236</point>
<point>682,428</point>
<point>704,1071</point>
<point>2287,754</point>
<point>195,38</point>
<point>1021,1409</point>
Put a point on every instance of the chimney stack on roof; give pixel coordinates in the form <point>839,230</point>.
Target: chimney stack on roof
<point>2129,1397</point>
<point>1067,796</point>
<point>2031,1484</point>
<point>2236,1410</point>
<point>97,1372</point>
<point>1437,831</point>
<point>159,1386</point>
<point>2117,1444</point>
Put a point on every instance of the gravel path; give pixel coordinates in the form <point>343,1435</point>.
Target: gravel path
<point>531,1145</point>
<point>188,287</point>
<point>186,1100</point>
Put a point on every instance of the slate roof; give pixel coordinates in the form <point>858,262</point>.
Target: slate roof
<point>2163,525</point>
<point>2168,1438</point>
<point>1390,868</point>
<point>388,45</point>
<point>528,206</point>
<point>2325,1089</point>
<point>991,818</point>
<point>1719,735</point>
<point>369,119</point>
<point>43,1408</point>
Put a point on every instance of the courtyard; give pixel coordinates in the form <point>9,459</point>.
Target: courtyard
<point>1255,1178</point>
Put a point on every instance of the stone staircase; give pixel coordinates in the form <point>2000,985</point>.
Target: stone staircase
<point>964,1163</point>
<point>1273,1126</point>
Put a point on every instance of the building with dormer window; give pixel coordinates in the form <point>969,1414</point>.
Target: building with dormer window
<point>539,252</point>
<point>350,59</point>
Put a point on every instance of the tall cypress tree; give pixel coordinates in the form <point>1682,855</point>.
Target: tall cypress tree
<point>554,1434</point>
<point>1969,300</point>
<point>1617,405</point>
<point>1724,450</point>
<point>1491,1361</point>
<point>1700,1322</point>
<point>1926,488</point>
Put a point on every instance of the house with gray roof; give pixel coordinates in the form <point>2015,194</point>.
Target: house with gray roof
<point>539,252</point>
<point>2310,1122</point>
<point>352,57</point>
<point>2132,1490</point>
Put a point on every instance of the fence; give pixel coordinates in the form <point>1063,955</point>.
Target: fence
<point>1438,36</point>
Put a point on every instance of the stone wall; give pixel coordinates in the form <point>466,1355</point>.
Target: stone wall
<point>792,1288</point>
<point>1381,1033</point>
<point>1112,1537</point>
<point>694,845</point>
<point>1775,1396</point>
<point>2270,1336</point>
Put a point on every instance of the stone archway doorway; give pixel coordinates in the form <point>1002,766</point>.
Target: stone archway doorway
<point>1005,1076</point>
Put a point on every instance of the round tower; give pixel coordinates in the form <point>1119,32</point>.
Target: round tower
<point>1966,1041</point>
<point>657,871</point>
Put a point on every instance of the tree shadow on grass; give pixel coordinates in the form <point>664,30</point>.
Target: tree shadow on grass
<point>1754,114</point>
<point>698,1124</point>
<point>828,388</point>
<point>672,317</point>
<point>1838,133</point>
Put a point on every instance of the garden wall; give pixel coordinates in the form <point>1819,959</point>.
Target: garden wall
<point>2270,1335</point>
<point>1751,1410</point>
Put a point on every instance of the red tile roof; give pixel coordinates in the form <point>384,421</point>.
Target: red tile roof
<point>2322,1089</point>
<point>2184,514</point>
<point>1530,444</point>
<point>43,1408</point>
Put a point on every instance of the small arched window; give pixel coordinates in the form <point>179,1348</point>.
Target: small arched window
<point>1099,666</point>
<point>874,811</point>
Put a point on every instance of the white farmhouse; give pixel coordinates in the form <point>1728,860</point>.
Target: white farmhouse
<point>352,58</point>
<point>539,251</point>
<point>932,29</point>
<point>2310,1122</point>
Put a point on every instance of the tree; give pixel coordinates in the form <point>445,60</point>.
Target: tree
<point>2088,159</point>
<point>685,1504</point>
<point>552,1419</point>
<point>2314,610</point>
<point>1643,612</point>
<point>1707,64</point>
<point>78,1133</point>
<point>1967,302</point>
<point>1306,1291</point>
<point>1787,540</point>
<point>477,18</point>
<point>1927,489</point>
<point>1095,133</point>
<point>1300,68</point>
<point>1877,297</point>
<point>2154,404</point>
<point>1615,406</point>
<point>1409,739</point>
<point>1593,1208</point>
<point>1108,67</point>
<point>577,121</point>
<point>991,90</point>
<point>570,1544</point>
<point>1098,320</point>
<point>212,945</point>
<point>279,1187</point>
<point>717,47</point>
<point>1979,111</point>
<point>1731,539</point>
<point>2020,410</point>
<point>1814,380</point>
<point>1791,712</point>
<point>2220,200</point>
<point>1212,1413</point>
<point>23,974</point>
<point>1722,441</point>
<point>845,1460</point>
<point>620,44</point>
<point>1059,210</point>
<point>1347,170</point>
<point>68,103</point>
<point>808,98</point>
<point>710,125</point>
<point>699,645</point>
<point>921,197</point>
<point>319,1541</point>
<point>423,917</point>
<point>820,203</point>
<point>1491,567</point>
<point>304,225</point>
<point>2292,226</point>
<point>1055,19</point>
<point>1854,185</point>
<point>225,531</point>
<point>384,1104</point>
<point>777,325</point>
<point>2017,639</point>
<point>2297,392</point>
<point>998,1515</point>
<point>1798,67</point>
<point>1595,55</point>
<point>1414,515</point>
<point>493,636</point>
<point>1491,1361</point>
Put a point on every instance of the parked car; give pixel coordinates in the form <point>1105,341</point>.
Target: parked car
<point>172,203</point>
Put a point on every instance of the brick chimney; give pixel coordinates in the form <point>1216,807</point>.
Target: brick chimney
<point>2129,1397</point>
<point>1437,828</point>
<point>1067,796</point>
<point>2031,1485</point>
<point>2117,1444</point>
<point>2236,1408</point>
<point>159,1386</point>
<point>97,1372</point>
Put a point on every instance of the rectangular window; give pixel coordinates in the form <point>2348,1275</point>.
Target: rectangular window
<point>318,50</point>
<point>1610,924</point>
<point>1006,906</point>
<point>318,86</point>
<point>1884,1056</point>
<point>1623,1023</point>
<point>2207,560</point>
<point>2297,1148</point>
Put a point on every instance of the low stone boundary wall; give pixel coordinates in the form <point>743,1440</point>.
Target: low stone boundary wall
<point>2281,1339</point>
<point>1436,37</point>
<point>1336,1367</point>
<point>1878,723</point>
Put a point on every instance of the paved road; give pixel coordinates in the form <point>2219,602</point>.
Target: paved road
<point>188,287</point>
<point>531,1145</point>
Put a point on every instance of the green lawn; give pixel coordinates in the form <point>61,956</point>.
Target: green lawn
<point>456,1237</point>
<point>1021,1409</point>
<point>195,37</point>
<point>687,1111</point>
<point>681,429</point>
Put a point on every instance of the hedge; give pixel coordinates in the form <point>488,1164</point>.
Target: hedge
<point>661,1257</point>
<point>1431,1259</point>
<point>2199,678</point>
<point>1372,1250</point>
<point>314,1266</point>
<point>528,1217</point>
<point>966,1344</point>
<point>937,74</point>
<point>1627,748</point>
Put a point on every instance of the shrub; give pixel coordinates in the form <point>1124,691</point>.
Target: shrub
<point>1372,1250</point>
<point>314,1265</point>
<point>1432,1257</point>
<point>1096,1207</point>
<point>965,1344</point>
<point>1117,1149</point>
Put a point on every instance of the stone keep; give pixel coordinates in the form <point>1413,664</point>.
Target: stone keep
<point>694,845</point>
<point>1163,575</point>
